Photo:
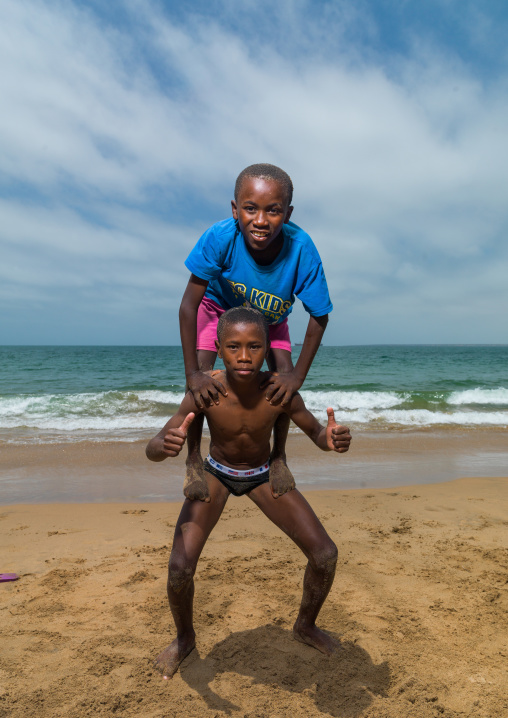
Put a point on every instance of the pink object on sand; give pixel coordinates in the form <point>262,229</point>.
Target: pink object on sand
<point>8,577</point>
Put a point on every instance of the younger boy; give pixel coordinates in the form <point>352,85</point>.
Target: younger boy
<point>240,428</point>
<point>259,258</point>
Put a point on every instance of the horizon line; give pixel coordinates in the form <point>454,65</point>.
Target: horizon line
<point>326,346</point>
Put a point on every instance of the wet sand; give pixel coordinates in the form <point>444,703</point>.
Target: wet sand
<point>420,603</point>
<point>100,472</point>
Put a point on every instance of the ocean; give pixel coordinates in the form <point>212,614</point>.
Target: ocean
<point>54,394</point>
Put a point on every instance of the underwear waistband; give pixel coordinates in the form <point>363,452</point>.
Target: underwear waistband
<point>236,472</point>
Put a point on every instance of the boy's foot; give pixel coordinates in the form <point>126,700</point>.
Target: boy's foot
<point>281,479</point>
<point>315,637</point>
<point>195,486</point>
<point>168,661</point>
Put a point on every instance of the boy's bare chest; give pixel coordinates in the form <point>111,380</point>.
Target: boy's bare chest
<point>232,417</point>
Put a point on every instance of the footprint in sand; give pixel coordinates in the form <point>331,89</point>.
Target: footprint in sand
<point>138,577</point>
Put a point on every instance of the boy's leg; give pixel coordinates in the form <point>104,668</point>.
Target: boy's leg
<point>281,478</point>
<point>195,486</point>
<point>293,515</point>
<point>194,525</point>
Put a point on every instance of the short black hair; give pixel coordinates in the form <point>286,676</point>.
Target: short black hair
<point>242,315</point>
<point>266,172</point>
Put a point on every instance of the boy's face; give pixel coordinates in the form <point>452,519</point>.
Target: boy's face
<point>243,349</point>
<point>261,210</point>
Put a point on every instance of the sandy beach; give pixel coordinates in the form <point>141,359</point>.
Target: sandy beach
<point>419,602</point>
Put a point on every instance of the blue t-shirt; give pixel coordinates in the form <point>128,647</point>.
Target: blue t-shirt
<point>234,277</point>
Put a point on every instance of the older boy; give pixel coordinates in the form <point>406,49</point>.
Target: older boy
<point>240,427</point>
<point>258,257</point>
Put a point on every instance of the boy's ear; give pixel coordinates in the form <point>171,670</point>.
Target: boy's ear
<point>217,346</point>
<point>234,209</point>
<point>288,214</point>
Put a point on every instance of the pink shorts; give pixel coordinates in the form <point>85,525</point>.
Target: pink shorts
<point>208,318</point>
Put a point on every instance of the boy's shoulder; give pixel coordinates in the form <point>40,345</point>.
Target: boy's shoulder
<point>224,229</point>
<point>299,236</point>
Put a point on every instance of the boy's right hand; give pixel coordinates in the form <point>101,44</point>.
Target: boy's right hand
<point>175,438</point>
<point>205,389</point>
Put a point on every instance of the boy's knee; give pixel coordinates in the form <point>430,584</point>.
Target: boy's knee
<point>324,559</point>
<point>180,573</point>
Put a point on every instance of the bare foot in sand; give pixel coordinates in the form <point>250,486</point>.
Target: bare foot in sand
<point>315,637</point>
<point>168,661</point>
<point>281,478</point>
<point>195,486</point>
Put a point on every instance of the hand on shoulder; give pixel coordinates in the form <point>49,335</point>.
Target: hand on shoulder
<point>215,372</point>
<point>205,387</point>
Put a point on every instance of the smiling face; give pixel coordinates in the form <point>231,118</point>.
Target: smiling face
<point>261,210</point>
<point>243,349</point>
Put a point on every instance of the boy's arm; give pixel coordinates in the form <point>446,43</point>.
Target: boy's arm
<point>331,437</point>
<point>171,438</point>
<point>204,389</point>
<point>281,387</point>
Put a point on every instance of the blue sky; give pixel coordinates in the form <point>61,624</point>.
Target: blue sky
<point>125,124</point>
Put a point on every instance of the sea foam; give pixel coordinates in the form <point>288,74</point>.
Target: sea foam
<point>480,396</point>
<point>127,415</point>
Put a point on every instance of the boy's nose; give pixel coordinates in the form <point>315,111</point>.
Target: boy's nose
<point>261,218</point>
<point>244,355</point>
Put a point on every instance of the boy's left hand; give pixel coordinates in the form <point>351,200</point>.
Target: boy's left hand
<point>338,437</point>
<point>281,387</point>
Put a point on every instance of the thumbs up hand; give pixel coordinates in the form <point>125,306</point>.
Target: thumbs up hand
<point>338,437</point>
<point>175,438</point>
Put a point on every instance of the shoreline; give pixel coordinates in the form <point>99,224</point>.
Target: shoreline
<point>98,472</point>
<point>419,603</point>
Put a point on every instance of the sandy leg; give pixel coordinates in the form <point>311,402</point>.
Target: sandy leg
<point>316,585</point>
<point>281,478</point>
<point>293,514</point>
<point>193,527</point>
<point>168,661</point>
<point>195,486</point>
